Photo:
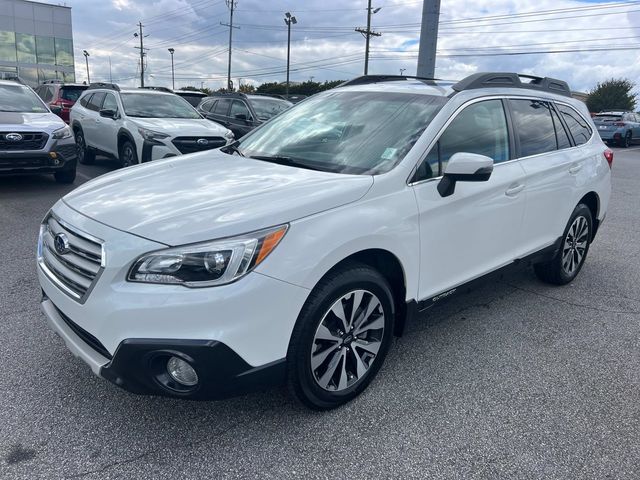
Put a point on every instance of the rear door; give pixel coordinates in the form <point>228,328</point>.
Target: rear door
<point>106,137</point>
<point>552,165</point>
<point>90,122</point>
<point>220,112</point>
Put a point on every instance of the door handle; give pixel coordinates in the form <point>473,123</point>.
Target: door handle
<point>515,190</point>
<point>575,169</point>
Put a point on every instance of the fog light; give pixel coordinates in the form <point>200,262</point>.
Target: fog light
<point>182,372</point>
<point>53,154</point>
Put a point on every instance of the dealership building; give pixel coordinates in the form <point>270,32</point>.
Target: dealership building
<point>36,41</point>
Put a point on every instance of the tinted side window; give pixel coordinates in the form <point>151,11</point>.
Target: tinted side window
<point>211,106</point>
<point>534,126</point>
<point>110,103</point>
<point>84,101</point>
<point>562,138</point>
<point>579,128</point>
<point>96,101</point>
<point>222,107</point>
<point>205,106</point>
<point>480,128</point>
<point>239,108</point>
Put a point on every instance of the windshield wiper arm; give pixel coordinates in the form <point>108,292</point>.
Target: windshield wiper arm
<point>233,147</point>
<point>283,160</point>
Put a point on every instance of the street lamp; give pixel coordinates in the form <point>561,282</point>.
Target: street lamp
<point>173,79</point>
<point>289,19</point>
<point>86,59</point>
<point>402,71</point>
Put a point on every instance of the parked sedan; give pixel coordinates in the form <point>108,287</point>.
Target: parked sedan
<point>618,127</point>
<point>241,113</point>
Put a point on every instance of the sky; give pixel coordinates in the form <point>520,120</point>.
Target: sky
<point>582,42</point>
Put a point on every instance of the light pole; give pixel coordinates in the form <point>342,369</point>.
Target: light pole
<point>86,59</point>
<point>173,79</point>
<point>402,71</point>
<point>289,19</point>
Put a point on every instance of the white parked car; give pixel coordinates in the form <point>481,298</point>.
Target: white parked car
<point>295,254</point>
<point>136,125</point>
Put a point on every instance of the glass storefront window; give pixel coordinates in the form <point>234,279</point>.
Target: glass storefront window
<point>64,52</point>
<point>46,74</point>
<point>68,77</point>
<point>26,45</point>
<point>7,46</point>
<point>46,50</point>
<point>29,75</point>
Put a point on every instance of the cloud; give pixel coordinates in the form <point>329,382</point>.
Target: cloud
<point>325,45</point>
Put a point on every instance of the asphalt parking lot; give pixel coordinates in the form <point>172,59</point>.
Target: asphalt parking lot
<point>516,379</point>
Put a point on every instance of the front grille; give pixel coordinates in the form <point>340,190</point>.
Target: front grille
<point>29,141</point>
<point>75,270</point>
<point>191,145</point>
<point>30,162</point>
<point>89,339</point>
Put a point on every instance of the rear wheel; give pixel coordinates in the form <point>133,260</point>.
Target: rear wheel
<point>65,176</point>
<point>86,156</point>
<point>568,261</point>
<point>128,155</point>
<point>341,338</point>
<point>626,143</point>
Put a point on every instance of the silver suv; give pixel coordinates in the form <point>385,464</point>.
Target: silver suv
<point>32,138</point>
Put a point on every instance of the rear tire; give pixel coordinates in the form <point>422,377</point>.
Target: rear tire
<point>332,358</point>
<point>65,176</point>
<point>569,259</point>
<point>128,155</point>
<point>86,156</point>
<point>626,143</point>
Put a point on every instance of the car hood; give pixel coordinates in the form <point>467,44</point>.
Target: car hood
<point>191,127</point>
<point>30,121</point>
<point>211,195</point>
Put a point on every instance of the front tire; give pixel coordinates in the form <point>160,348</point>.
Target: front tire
<point>569,259</point>
<point>128,154</point>
<point>86,156</point>
<point>341,338</point>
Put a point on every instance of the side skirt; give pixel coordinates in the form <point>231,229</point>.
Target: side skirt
<point>414,309</point>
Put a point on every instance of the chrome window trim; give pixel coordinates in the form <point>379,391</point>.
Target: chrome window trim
<point>494,97</point>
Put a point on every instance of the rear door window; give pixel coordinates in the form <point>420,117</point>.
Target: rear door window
<point>222,107</point>
<point>578,126</point>
<point>534,126</point>
<point>96,101</point>
<point>562,138</point>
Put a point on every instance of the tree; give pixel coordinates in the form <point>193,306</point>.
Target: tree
<point>247,88</point>
<point>304,88</point>
<point>613,94</point>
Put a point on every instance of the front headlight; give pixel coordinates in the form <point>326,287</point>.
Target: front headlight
<point>150,135</point>
<point>207,264</point>
<point>61,133</point>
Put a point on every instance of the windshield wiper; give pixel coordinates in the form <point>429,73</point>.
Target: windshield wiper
<point>288,161</point>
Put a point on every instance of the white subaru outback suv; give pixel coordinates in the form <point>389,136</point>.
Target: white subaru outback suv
<point>136,125</point>
<point>295,254</point>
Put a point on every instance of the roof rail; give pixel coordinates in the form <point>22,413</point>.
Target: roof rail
<point>159,89</point>
<point>108,86</point>
<point>366,79</point>
<point>512,80</point>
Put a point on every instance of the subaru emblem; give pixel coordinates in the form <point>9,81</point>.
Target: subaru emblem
<point>13,137</point>
<point>202,141</point>
<point>61,244</point>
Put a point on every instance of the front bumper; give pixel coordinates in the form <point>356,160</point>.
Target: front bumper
<point>236,335</point>
<point>139,365</point>
<point>59,157</point>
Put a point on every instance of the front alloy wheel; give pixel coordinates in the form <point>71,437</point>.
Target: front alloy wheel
<point>341,337</point>
<point>347,340</point>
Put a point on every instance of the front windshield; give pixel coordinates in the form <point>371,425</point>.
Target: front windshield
<point>346,132</point>
<point>18,98</point>
<point>156,105</point>
<point>268,107</point>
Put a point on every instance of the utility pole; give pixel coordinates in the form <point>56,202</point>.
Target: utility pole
<point>368,33</point>
<point>110,78</point>
<point>231,4</point>
<point>173,79</point>
<point>289,19</point>
<point>142,49</point>
<point>428,38</point>
<point>86,59</point>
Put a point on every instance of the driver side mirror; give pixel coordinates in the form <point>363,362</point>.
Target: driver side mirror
<point>464,167</point>
<point>108,113</point>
